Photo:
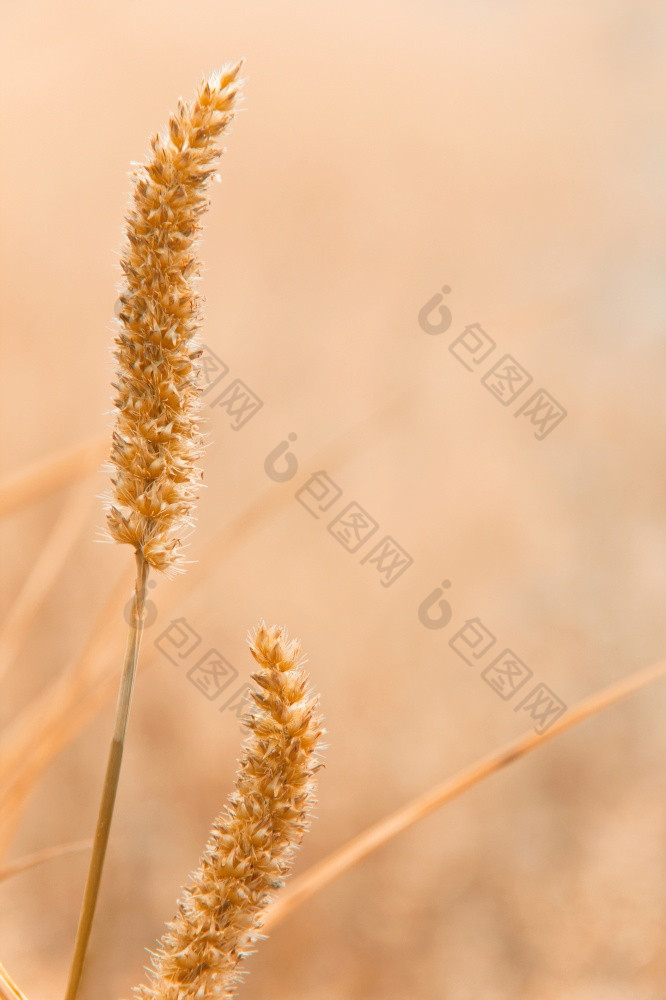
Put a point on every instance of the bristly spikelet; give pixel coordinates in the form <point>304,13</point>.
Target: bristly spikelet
<point>252,842</point>
<point>157,441</point>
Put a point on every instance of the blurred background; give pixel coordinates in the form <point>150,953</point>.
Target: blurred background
<point>514,154</point>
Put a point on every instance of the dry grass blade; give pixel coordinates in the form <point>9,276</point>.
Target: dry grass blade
<point>43,574</point>
<point>8,988</point>
<point>40,857</point>
<point>50,722</point>
<point>32,724</point>
<point>48,474</point>
<point>379,834</point>
<point>59,735</point>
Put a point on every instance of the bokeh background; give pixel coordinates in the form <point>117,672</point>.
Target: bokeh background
<point>515,153</point>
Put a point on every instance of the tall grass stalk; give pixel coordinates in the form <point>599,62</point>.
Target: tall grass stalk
<point>157,440</point>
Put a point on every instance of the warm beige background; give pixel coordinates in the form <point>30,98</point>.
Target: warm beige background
<point>516,152</point>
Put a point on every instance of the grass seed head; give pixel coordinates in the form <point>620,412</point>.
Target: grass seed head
<point>157,441</point>
<point>253,841</point>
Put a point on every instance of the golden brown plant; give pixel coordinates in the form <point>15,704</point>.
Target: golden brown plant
<point>252,842</point>
<point>157,441</point>
<point>53,720</point>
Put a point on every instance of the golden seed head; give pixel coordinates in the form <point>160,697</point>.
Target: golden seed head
<point>253,841</point>
<point>157,441</point>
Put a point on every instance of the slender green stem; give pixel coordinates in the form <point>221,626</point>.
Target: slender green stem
<point>111,780</point>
